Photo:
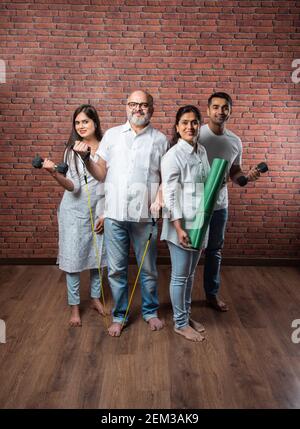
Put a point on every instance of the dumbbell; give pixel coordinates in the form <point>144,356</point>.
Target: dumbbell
<point>261,167</point>
<point>62,168</point>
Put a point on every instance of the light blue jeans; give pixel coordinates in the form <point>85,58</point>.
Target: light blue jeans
<point>118,235</point>
<point>73,286</point>
<point>184,263</point>
<point>213,257</point>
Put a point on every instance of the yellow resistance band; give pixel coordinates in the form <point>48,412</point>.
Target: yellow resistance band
<point>138,274</point>
<point>95,245</point>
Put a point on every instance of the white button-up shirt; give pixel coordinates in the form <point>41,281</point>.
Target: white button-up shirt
<point>133,171</point>
<point>184,172</point>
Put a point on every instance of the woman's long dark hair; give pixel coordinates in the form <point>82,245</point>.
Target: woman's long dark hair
<point>91,113</point>
<point>185,109</point>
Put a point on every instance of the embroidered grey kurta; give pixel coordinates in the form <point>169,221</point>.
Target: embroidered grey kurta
<point>76,248</point>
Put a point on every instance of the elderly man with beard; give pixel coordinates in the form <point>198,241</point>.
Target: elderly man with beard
<point>130,157</point>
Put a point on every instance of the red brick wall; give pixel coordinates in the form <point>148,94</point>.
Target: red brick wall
<point>59,54</point>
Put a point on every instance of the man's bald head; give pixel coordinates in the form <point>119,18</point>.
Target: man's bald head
<point>140,93</point>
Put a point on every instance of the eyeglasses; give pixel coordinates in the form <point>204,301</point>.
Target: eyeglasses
<point>133,105</point>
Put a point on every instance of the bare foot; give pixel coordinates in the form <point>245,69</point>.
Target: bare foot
<point>216,303</point>
<point>190,334</point>
<point>155,324</point>
<point>115,329</point>
<point>75,320</point>
<point>197,325</point>
<point>96,305</point>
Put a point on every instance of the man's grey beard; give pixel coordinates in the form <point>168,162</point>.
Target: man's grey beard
<point>139,121</point>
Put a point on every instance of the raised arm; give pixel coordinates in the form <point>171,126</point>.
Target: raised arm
<point>97,169</point>
<point>60,178</point>
<point>236,172</point>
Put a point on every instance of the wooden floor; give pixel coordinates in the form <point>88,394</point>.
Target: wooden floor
<point>247,361</point>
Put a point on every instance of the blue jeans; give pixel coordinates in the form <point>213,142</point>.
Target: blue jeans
<point>213,257</point>
<point>184,263</point>
<point>73,285</point>
<point>118,235</point>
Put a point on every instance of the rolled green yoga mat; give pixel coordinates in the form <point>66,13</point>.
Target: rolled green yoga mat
<point>211,189</point>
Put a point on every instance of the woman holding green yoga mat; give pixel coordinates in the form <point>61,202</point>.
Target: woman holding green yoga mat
<point>184,170</point>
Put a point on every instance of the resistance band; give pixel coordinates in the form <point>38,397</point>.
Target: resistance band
<point>94,240</point>
<point>139,271</point>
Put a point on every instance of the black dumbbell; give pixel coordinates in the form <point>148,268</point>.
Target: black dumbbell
<point>261,167</point>
<point>62,168</point>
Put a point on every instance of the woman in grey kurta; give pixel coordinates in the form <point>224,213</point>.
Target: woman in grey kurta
<point>77,250</point>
